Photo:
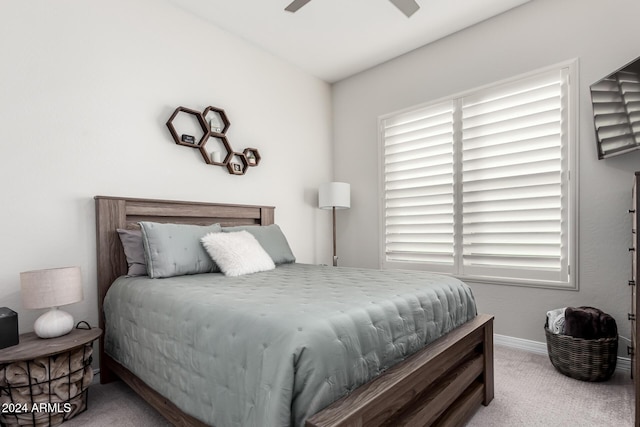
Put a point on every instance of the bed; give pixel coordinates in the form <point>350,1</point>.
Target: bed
<point>440,384</point>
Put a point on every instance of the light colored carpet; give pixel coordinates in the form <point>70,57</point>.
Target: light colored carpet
<point>528,392</point>
<point>116,405</point>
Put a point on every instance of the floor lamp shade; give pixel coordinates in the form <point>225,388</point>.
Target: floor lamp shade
<point>51,288</point>
<point>334,195</point>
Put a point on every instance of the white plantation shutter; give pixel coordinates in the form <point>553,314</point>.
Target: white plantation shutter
<point>478,186</point>
<point>513,173</point>
<point>418,185</point>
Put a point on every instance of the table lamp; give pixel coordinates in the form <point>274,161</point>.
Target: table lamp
<point>334,195</point>
<point>51,288</point>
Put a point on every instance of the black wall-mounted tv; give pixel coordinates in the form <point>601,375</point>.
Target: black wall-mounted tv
<point>616,111</point>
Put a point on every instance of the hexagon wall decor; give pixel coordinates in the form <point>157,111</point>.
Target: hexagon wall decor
<point>214,124</point>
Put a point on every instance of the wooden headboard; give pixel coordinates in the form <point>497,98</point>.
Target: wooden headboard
<point>118,212</point>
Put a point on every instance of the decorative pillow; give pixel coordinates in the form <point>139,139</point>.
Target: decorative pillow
<point>237,253</point>
<point>175,249</point>
<point>133,251</point>
<point>272,240</point>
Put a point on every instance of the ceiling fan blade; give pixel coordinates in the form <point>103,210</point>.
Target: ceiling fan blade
<point>408,7</point>
<point>295,5</point>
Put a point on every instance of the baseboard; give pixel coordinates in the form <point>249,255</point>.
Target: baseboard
<point>623,364</point>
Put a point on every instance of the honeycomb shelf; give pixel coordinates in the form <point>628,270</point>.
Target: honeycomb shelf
<point>209,129</point>
<point>217,119</point>
<point>252,155</point>
<point>220,145</point>
<point>183,112</point>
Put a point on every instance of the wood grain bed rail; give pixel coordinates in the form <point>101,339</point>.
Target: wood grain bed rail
<point>441,386</point>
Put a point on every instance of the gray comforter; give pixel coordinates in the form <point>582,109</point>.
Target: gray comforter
<point>273,348</point>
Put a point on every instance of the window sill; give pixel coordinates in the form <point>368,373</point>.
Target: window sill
<point>485,280</point>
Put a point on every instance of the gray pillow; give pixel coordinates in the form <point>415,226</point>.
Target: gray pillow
<point>175,249</point>
<point>271,239</point>
<point>133,251</point>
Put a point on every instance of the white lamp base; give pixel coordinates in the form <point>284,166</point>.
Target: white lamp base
<point>53,323</point>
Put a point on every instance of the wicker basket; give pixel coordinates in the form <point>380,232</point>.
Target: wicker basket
<point>586,360</point>
<point>46,391</point>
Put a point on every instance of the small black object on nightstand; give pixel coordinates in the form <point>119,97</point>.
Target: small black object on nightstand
<point>8,327</point>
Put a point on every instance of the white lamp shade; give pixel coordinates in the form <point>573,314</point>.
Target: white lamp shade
<point>51,288</point>
<point>334,195</point>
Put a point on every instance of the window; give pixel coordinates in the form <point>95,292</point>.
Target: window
<point>479,186</point>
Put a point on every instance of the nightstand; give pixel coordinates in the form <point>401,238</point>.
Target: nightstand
<point>44,382</point>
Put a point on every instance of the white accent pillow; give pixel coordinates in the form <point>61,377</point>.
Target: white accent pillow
<point>237,253</point>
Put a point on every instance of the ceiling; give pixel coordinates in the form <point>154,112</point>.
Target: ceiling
<point>333,39</point>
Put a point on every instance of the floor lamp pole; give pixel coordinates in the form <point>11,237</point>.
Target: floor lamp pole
<point>335,256</point>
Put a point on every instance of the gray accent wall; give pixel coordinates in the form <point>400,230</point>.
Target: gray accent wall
<point>603,36</point>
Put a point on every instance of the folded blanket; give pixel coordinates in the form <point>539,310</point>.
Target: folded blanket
<point>18,373</point>
<point>27,390</point>
<point>87,378</point>
<point>63,389</point>
<point>556,320</point>
<point>21,399</point>
<point>589,323</point>
<point>78,404</point>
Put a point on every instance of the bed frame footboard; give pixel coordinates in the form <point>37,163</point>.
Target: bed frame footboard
<point>442,385</point>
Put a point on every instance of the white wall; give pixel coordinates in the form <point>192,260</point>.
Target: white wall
<point>86,88</point>
<point>603,35</point>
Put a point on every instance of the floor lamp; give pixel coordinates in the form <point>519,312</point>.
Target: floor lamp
<point>334,195</point>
